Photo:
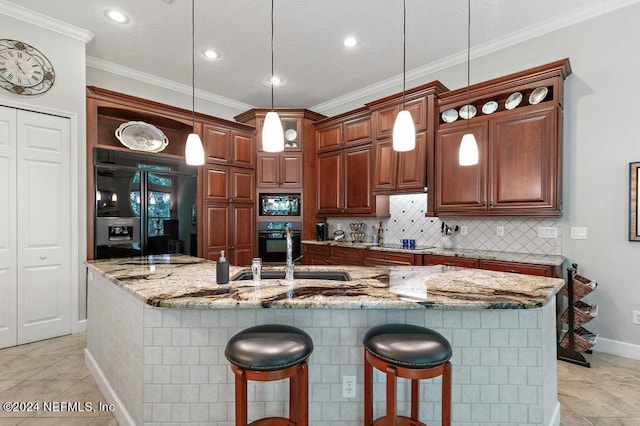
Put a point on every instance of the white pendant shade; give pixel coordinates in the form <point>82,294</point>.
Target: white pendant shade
<point>114,197</point>
<point>404,132</point>
<point>193,150</point>
<point>272,133</point>
<point>468,154</point>
<point>98,196</point>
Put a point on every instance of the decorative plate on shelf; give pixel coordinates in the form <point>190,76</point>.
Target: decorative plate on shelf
<point>450,115</point>
<point>490,107</point>
<point>468,111</point>
<point>513,100</point>
<point>290,135</point>
<point>141,136</point>
<point>538,95</point>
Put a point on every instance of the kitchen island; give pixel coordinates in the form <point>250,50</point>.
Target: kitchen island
<point>157,328</point>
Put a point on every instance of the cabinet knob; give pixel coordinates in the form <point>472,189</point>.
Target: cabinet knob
<point>490,203</point>
<point>43,257</point>
<point>484,203</point>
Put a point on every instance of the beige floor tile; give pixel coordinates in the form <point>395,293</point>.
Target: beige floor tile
<point>589,400</point>
<point>6,384</point>
<point>26,366</point>
<point>568,417</point>
<point>37,390</point>
<point>4,358</point>
<point>82,391</point>
<point>71,367</point>
<point>104,421</point>
<point>56,421</point>
<point>616,422</point>
<point>73,344</point>
<point>9,422</point>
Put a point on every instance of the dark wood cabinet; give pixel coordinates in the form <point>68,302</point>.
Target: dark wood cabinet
<point>397,172</point>
<point>282,170</point>
<point>520,146</point>
<point>344,182</point>
<point>435,259</point>
<point>314,254</point>
<point>384,118</point>
<point>519,268</point>
<point>229,184</point>
<point>230,227</point>
<point>225,146</point>
<point>493,265</point>
<point>344,131</point>
<point>518,167</point>
<point>387,258</point>
<point>345,256</point>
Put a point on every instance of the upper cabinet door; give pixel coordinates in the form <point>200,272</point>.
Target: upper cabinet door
<point>216,144</point>
<point>418,110</point>
<point>329,182</point>
<point>525,161</point>
<point>243,146</point>
<point>357,180</point>
<point>329,138</point>
<point>460,187</point>
<point>216,184</point>
<point>385,166</point>
<point>357,131</point>
<point>412,166</point>
<point>384,120</point>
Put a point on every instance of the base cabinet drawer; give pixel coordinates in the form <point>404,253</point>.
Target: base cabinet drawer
<point>519,268</point>
<point>382,258</point>
<point>345,256</point>
<point>315,254</point>
<point>436,259</point>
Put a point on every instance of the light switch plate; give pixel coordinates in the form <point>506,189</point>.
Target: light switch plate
<point>500,231</point>
<point>464,230</point>
<point>547,232</point>
<point>578,233</point>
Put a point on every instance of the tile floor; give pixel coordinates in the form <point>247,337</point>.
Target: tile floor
<point>607,394</point>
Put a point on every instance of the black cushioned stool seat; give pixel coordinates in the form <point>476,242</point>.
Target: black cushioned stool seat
<point>271,352</point>
<point>410,352</point>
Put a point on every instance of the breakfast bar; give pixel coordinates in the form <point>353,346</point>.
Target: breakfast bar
<point>157,328</point>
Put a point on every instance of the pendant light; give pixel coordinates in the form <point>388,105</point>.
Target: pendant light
<point>404,131</point>
<point>468,153</point>
<point>272,132</point>
<point>193,150</point>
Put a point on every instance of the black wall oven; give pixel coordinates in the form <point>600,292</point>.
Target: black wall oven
<point>272,241</point>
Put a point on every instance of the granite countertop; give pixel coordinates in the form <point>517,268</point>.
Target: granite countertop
<point>184,282</point>
<point>537,259</point>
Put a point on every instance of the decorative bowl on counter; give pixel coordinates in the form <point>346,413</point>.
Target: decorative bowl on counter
<point>357,237</point>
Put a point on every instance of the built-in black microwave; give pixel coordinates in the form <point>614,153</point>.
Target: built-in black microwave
<point>279,205</point>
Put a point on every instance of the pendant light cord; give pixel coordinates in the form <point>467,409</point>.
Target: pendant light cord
<point>193,66</point>
<point>404,52</point>
<point>272,55</point>
<point>468,63</point>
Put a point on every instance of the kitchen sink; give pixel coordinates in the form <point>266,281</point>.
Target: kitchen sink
<point>298,275</point>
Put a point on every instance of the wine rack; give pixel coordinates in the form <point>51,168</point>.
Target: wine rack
<point>576,339</point>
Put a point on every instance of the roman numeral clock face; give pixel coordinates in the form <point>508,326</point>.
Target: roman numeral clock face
<point>24,70</point>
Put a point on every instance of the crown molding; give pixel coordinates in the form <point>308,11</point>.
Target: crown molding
<point>525,34</point>
<point>46,22</point>
<point>132,74</point>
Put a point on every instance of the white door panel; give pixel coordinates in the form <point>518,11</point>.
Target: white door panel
<point>44,228</point>
<point>8,252</point>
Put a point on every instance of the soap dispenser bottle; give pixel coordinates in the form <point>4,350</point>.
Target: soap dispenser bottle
<point>222,269</point>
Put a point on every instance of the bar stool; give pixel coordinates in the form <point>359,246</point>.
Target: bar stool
<point>410,352</point>
<point>266,353</point>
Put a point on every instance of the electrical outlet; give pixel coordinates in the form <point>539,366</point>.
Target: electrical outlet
<point>547,232</point>
<point>463,230</point>
<point>348,386</point>
<point>636,317</point>
<point>500,231</point>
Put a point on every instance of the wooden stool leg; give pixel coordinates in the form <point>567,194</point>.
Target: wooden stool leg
<point>303,396</point>
<point>368,391</point>
<point>415,399</point>
<point>241,396</point>
<point>446,395</point>
<point>391,396</point>
<point>294,396</point>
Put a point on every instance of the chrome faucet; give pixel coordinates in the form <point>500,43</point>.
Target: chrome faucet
<point>288,271</point>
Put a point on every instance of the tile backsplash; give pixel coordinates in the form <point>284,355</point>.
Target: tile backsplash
<point>408,221</point>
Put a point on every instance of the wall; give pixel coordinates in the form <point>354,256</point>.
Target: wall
<point>67,97</point>
<point>599,144</point>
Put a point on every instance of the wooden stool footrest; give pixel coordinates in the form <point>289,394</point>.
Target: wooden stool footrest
<point>272,421</point>
<point>400,421</point>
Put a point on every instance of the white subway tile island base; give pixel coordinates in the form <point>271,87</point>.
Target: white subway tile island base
<point>157,328</point>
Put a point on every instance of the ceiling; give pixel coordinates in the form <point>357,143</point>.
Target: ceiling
<point>309,55</point>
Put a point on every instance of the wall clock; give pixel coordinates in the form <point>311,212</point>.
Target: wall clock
<point>24,70</point>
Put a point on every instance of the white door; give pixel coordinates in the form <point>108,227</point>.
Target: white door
<point>8,252</point>
<point>44,228</point>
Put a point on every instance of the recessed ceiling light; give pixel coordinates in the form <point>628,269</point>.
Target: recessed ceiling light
<point>116,16</point>
<point>275,80</point>
<point>350,41</point>
<point>211,54</point>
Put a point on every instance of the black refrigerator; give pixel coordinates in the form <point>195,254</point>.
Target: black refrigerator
<point>144,204</point>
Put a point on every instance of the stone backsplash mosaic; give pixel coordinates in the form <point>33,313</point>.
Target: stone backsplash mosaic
<point>408,221</point>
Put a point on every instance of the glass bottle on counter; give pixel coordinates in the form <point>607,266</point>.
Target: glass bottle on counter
<point>380,234</point>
